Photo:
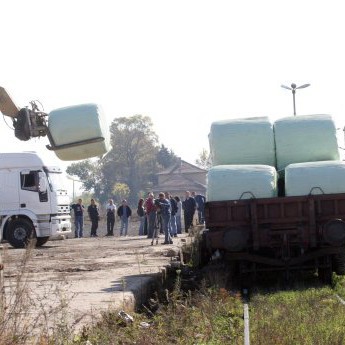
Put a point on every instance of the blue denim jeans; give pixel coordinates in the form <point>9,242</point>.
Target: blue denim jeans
<point>166,220</point>
<point>151,218</point>
<point>173,226</point>
<point>79,224</point>
<point>124,226</point>
<point>141,226</point>
<point>178,224</point>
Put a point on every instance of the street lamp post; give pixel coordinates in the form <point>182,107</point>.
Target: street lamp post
<point>293,88</point>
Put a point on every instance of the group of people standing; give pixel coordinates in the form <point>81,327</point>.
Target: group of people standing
<point>166,211</point>
<point>123,212</point>
<point>162,214</point>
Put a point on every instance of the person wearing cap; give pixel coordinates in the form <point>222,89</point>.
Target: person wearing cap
<point>124,212</point>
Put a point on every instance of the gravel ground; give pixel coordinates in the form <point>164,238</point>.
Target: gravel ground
<point>92,274</point>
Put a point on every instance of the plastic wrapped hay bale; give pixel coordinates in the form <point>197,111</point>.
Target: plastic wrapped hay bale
<point>242,141</point>
<point>232,182</point>
<point>307,138</point>
<point>315,178</point>
<point>79,123</point>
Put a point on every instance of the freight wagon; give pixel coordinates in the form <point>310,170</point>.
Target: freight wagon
<point>278,234</point>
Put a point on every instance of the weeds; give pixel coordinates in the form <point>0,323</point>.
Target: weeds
<point>300,316</point>
<point>33,315</point>
<point>212,316</point>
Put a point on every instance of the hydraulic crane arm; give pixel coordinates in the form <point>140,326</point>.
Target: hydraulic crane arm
<point>30,122</point>
<point>7,105</point>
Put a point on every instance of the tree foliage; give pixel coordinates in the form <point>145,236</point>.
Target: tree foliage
<point>166,157</point>
<point>204,161</point>
<point>133,161</point>
<point>121,191</point>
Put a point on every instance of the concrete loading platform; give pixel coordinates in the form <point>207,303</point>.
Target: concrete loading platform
<point>92,274</point>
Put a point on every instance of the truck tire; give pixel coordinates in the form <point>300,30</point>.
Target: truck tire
<point>40,241</point>
<point>339,264</point>
<point>19,233</point>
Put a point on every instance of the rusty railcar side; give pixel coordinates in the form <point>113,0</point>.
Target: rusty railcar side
<point>279,233</point>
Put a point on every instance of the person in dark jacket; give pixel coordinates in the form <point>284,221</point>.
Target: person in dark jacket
<point>78,209</point>
<point>200,204</point>
<point>141,215</point>
<point>174,208</point>
<point>93,212</point>
<point>124,212</point>
<point>189,207</point>
<point>165,209</point>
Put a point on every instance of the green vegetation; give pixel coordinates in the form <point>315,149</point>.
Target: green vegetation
<point>308,313</point>
<point>209,317</point>
<point>301,316</point>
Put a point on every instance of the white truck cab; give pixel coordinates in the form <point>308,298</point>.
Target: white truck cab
<point>33,203</point>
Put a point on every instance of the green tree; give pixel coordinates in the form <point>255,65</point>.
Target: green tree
<point>90,173</point>
<point>121,191</point>
<point>134,160</point>
<point>166,157</point>
<point>204,161</point>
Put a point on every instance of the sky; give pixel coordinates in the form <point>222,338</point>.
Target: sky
<point>184,63</point>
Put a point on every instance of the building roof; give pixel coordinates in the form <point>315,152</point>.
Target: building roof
<point>181,167</point>
<point>178,182</point>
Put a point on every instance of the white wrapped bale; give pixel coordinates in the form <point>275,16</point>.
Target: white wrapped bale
<point>315,178</point>
<point>75,124</point>
<point>232,182</point>
<point>308,138</point>
<point>242,141</point>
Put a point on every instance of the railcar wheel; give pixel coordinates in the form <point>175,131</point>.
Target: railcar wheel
<point>19,233</point>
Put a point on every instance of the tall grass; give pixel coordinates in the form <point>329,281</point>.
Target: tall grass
<point>32,314</point>
<point>209,317</point>
<point>302,316</point>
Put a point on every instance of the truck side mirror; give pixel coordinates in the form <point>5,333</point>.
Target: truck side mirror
<point>42,182</point>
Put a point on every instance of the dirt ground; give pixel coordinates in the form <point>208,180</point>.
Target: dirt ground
<point>92,274</point>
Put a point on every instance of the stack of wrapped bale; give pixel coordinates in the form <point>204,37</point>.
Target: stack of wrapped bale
<point>308,138</point>
<point>243,155</point>
<point>327,177</point>
<point>307,154</point>
<point>84,126</point>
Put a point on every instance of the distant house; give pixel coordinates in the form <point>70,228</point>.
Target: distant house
<point>180,177</point>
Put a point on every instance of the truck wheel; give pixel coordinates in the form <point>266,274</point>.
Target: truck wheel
<point>339,264</point>
<point>19,233</point>
<point>40,241</point>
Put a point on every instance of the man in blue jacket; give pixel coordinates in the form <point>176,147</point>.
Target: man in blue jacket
<point>124,212</point>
